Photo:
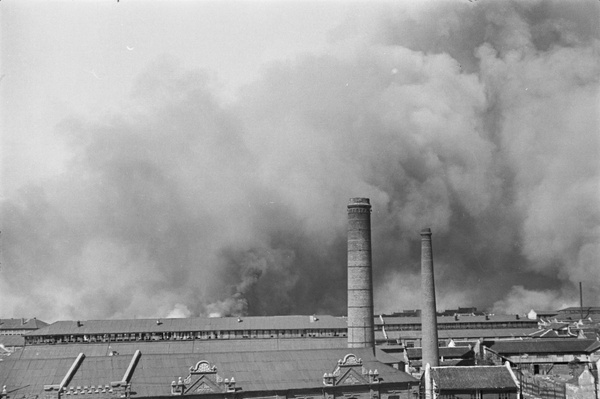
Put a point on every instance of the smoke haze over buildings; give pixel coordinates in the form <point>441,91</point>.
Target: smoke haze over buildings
<point>479,120</point>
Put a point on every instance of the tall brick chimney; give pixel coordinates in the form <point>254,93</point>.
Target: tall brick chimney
<point>360,280</point>
<point>429,338</point>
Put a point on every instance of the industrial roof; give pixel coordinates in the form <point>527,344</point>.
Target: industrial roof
<point>473,377</point>
<point>12,340</point>
<point>191,324</point>
<point>179,347</point>
<point>253,371</point>
<point>545,346</point>
<point>21,324</point>
<point>445,351</point>
<point>388,320</point>
<point>577,309</point>
<point>460,333</point>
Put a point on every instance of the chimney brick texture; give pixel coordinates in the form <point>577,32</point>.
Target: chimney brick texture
<point>429,338</point>
<point>360,276</point>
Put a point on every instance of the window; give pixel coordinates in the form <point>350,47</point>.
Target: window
<point>504,395</point>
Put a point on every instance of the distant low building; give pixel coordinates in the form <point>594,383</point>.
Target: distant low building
<point>406,331</point>
<point>11,334</point>
<point>191,329</point>
<point>537,314</point>
<point>20,326</point>
<point>544,356</point>
<point>469,311</point>
<point>485,382</point>
<point>576,312</point>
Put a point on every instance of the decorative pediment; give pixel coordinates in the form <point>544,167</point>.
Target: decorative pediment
<point>203,367</point>
<point>350,360</point>
<point>351,376</point>
<point>203,378</point>
<point>203,385</point>
<point>350,371</point>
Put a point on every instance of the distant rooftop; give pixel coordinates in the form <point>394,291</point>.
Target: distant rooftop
<point>249,323</point>
<point>489,319</point>
<point>21,324</point>
<point>444,351</point>
<point>587,310</point>
<point>472,377</point>
<point>545,346</point>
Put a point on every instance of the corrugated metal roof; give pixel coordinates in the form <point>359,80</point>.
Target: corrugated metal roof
<point>173,347</point>
<point>473,377</point>
<point>545,346</point>
<point>25,377</point>
<point>463,333</point>
<point>191,324</point>
<point>500,318</point>
<point>268,370</point>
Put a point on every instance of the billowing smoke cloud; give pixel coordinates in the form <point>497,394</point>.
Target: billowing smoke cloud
<point>479,120</point>
<point>519,296</point>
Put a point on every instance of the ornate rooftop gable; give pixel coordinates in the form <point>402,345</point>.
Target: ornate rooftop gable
<point>203,378</point>
<point>350,371</point>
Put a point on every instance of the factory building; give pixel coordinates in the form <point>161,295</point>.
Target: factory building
<point>324,373</point>
<point>20,326</point>
<point>544,356</point>
<point>406,331</point>
<point>296,357</point>
<point>280,357</point>
<point>191,329</point>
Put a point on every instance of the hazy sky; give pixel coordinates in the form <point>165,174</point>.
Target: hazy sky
<point>186,158</point>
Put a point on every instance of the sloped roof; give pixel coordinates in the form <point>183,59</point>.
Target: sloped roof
<point>556,326</point>
<point>445,351</point>
<point>12,340</point>
<point>472,377</point>
<point>574,309</point>
<point>21,324</point>
<point>545,312</point>
<point>545,346</point>
<point>191,324</point>
<point>392,320</point>
<point>461,333</point>
<point>253,371</point>
<point>179,347</point>
<point>547,333</point>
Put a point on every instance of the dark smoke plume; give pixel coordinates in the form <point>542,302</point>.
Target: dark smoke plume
<point>479,120</point>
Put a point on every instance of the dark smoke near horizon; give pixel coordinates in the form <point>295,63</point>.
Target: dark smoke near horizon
<point>479,120</point>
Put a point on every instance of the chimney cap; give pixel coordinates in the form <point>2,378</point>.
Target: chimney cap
<point>426,231</point>
<point>359,201</point>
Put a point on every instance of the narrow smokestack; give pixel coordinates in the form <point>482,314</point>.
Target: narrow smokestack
<point>581,300</point>
<point>429,339</point>
<point>360,285</point>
